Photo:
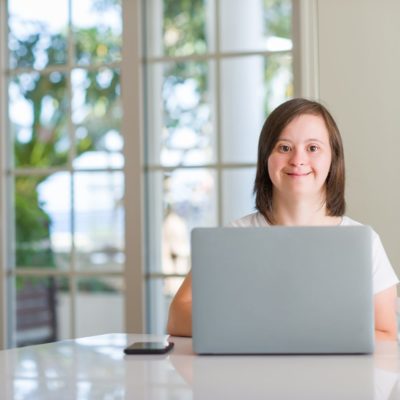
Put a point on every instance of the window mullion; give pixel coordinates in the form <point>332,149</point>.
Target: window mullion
<point>132,130</point>
<point>218,119</point>
<point>213,56</point>
<point>3,176</point>
<point>63,68</point>
<point>71,157</point>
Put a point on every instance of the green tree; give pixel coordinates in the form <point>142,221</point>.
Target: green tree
<point>277,18</point>
<point>184,27</point>
<point>48,143</point>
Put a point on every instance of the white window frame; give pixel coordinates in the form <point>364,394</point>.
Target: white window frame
<point>3,212</point>
<point>305,50</point>
<point>132,128</point>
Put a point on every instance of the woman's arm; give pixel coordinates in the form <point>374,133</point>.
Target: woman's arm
<point>385,314</point>
<point>180,310</point>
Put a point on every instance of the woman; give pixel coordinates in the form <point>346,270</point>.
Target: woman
<point>300,181</point>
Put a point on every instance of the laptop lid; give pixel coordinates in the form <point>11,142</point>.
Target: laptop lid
<point>282,290</point>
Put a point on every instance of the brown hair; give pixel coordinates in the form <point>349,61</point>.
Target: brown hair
<point>270,133</point>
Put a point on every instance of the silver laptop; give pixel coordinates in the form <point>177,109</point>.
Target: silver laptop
<point>282,290</point>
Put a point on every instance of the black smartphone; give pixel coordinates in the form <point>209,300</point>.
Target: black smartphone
<point>149,348</point>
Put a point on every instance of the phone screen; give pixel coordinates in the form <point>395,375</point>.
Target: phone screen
<point>149,348</point>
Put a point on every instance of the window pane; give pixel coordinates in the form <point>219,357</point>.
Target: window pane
<point>181,127</point>
<point>160,293</point>
<point>278,80</point>
<point>237,193</point>
<point>38,119</point>
<point>178,202</point>
<point>99,297</point>
<point>97,26</point>
<point>246,103</point>
<point>265,25</point>
<point>37,36</point>
<point>97,113</point>
<point>42,221</point>
<point>63,304</point>
<point>99,220</point>
<point>242,107</point>
<point>179,27</point>
<point>42,310</point>
<point>55,199</point>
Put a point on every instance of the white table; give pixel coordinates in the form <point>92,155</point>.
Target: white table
<point>96,368</point>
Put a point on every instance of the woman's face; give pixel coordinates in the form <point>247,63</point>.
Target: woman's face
<point>300,161</point>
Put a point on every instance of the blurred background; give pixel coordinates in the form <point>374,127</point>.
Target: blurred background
<point>126,123</point>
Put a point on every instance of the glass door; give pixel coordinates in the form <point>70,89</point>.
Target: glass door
<point>214,70</point>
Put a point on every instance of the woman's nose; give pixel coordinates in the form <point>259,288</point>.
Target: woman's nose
<point>298,158</point>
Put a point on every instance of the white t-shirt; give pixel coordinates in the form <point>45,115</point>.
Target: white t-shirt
<point>383,273</point>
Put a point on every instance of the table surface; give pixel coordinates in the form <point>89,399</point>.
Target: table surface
<point>96,368</point>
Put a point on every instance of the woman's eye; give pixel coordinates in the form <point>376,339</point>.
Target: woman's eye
<point>313,148</point>
<point>284,148</point>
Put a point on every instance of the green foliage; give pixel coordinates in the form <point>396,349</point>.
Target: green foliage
<point>32,222</point>
<point>273,64</point>
<point>32,226</point>
<point>41,149</point>
<point>278,22</point>
<point>184,27</point>
<point>29,216</point>
<point>277,17</point>
<point>94,46</point>
<point>48,144</point>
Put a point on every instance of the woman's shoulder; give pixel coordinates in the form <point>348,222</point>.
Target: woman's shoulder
<point>347,221</point>
<point>254,220</point>
<point>383,273</point>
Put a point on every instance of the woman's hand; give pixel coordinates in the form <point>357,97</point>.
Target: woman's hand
<point>385,314</point>
<point>180,310</point>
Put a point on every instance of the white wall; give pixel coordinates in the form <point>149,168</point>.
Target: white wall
<point>359,81</point>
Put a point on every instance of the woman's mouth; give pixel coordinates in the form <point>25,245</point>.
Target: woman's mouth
<point>298,174</point>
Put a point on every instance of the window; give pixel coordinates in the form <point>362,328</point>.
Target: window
<point>214,70</point>
<point>64,170</point>
<point>71,192</point>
